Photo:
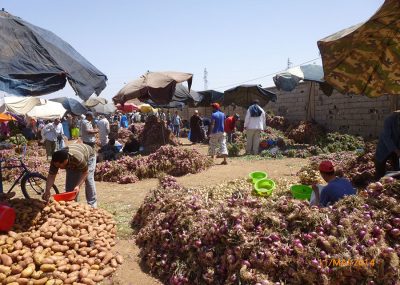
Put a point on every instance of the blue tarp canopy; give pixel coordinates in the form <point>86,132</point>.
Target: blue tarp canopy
<point>288,80</point>
<point>244,95</point>
<point>71,105</point>
<point>34,61</point>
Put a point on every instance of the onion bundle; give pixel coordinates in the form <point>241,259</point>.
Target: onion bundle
<point>223,235</point>
<point>167,159</point>
<point>306,132</point>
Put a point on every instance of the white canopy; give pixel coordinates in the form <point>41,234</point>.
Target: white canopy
<point>49,111</point>
<point>19,105</point>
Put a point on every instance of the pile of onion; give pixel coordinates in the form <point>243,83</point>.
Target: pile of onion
<point>224,235</point>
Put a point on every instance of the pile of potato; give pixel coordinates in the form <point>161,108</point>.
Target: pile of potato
<point>58,243</point>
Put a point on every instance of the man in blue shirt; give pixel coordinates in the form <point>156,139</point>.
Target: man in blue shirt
<point>336,189</point>
<point>216,133</point>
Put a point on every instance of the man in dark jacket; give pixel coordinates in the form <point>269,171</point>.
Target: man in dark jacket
<point>196,128</point>
<point>389,145</point>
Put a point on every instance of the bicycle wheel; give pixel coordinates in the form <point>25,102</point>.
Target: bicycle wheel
<point>33,185</point>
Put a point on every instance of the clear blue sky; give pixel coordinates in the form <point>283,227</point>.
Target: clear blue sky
<point>236,40</point>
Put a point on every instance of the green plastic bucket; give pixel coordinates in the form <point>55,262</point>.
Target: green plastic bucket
<point>301,192</point>
<point>257,175</point>
<point>264,187</point>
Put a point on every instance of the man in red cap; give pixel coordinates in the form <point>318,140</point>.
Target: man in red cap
<point>336,188</point>
<point>216,133</point>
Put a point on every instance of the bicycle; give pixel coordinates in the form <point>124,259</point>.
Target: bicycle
<point>32,183</point>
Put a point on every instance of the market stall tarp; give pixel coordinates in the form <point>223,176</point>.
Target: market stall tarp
<point>49,111</point>
<point>93,101</point>
<point>20,105</point>
<point>290,79</point>
<point>244,95</point>
<point>170,105</point>
<point>181,96</point>
<point>209,97</point>
<point>157,86</point>
<point>184,95</point>
<point>365,59</point>
<point>127,107</point>
<point>34,61</point>
<point>71,105</point>
<point>106,109</point>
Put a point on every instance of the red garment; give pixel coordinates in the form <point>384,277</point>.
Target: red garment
<point>230,124</point>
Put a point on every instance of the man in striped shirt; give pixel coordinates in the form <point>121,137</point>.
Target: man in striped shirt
<point>79,161</point>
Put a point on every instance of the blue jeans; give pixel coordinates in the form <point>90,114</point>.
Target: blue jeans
<point>73,177</point>
<point>176,130</point>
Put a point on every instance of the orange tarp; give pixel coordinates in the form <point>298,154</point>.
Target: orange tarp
<point>6,117</point>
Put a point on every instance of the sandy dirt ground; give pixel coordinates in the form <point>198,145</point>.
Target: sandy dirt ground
<point>123,200</point>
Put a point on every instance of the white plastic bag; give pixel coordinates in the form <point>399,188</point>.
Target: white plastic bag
<point>312,199</point>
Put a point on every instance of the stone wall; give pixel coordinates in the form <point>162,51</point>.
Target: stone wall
<point>357,115</point>
<point>352,114</point>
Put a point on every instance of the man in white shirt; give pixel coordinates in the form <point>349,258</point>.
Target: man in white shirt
<point>49,136</point>
<point>104,129</point>
<point>137,117</point>
<point>254,123</point>
<point>163,117</point>
<point>60,134</point>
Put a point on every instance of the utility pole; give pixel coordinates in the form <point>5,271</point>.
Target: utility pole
<point>205,79</point>
<point>289,63</point>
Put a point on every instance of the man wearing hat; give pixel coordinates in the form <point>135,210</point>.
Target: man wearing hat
<point>216,133</point>
<point>254,123</point>
<point>230,126</point>
<point>88,133</point>
<point>336,189</point>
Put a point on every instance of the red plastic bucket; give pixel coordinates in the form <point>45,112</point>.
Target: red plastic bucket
<point>66,196</point>
<point>7,218</point>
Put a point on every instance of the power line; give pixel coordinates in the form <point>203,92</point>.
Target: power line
<point>274,73</point>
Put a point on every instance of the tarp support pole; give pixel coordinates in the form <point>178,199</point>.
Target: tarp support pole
<point>1,179</point>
